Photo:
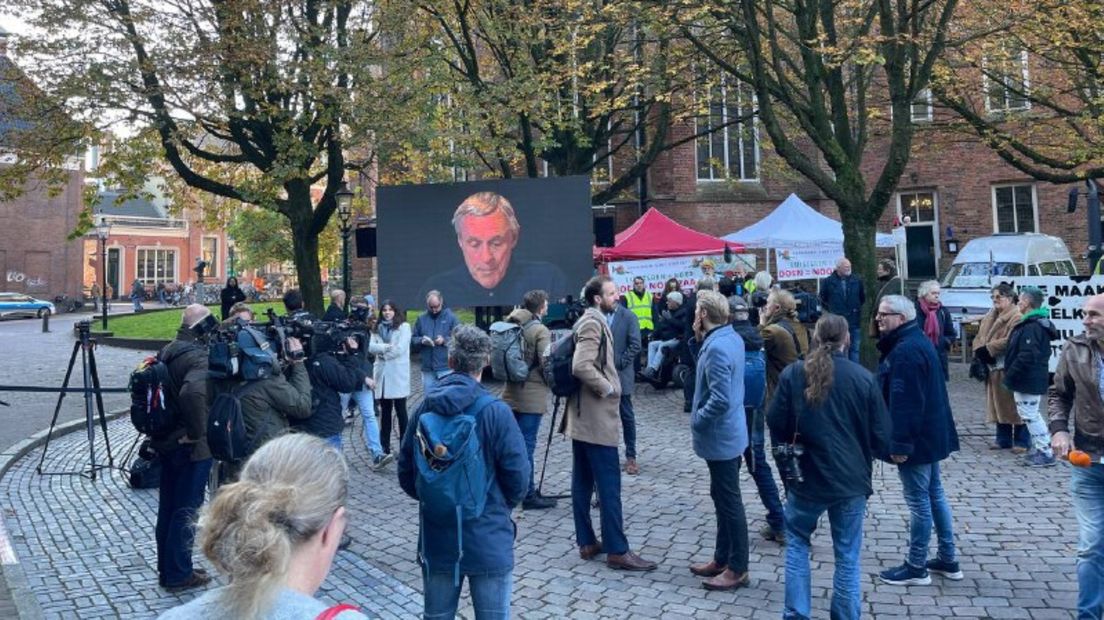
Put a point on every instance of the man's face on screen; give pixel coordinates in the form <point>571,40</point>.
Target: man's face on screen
<point>487,244</point>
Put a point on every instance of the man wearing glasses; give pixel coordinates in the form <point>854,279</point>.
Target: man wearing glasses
<point>911,377</point>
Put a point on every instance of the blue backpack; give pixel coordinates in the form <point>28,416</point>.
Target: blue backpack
<point>452,478</point>
<point>755,378</point>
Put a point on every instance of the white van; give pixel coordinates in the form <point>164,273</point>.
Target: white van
<point>987,261</point>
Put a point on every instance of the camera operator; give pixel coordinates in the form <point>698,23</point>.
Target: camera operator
<point>185,457</point>
<point>333,371</point>
<point>833,409</point>
<point>293,304</point>
<point>269,407</point>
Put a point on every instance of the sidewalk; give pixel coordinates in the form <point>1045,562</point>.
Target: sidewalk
<point>87,547</point>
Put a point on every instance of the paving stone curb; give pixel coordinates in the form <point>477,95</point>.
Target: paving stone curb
<point>26,604</point>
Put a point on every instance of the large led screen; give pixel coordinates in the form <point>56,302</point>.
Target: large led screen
<point>484,243</point>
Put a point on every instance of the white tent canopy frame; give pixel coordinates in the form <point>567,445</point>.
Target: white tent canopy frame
<point>794,224</point>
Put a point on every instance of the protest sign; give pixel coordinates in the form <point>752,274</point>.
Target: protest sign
<point>687,269</point>
<point>806,263</point>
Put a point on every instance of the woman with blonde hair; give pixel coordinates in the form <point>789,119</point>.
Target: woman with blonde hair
<point>274,534</point>
<point>990,345</point>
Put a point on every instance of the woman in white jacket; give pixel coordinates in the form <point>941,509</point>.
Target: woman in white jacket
<point>391,346</point>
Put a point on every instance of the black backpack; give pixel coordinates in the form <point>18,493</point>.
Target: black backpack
<point>226,425</point>
<point>153,396</point>
<point>557,366</point>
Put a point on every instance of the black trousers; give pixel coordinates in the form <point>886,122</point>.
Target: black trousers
<point>386,406</point>
<point>732,532</point>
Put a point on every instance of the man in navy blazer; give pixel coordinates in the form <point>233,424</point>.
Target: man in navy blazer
<point>719,432</point>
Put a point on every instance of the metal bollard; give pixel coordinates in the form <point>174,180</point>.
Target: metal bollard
<point>45,322</point>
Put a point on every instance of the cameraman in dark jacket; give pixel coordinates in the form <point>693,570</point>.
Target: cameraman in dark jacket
<point>833,409</point>
<point>1027,368</point>
<point>332,373</point>
<point>185,457</point>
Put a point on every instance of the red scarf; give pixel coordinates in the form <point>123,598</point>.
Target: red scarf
<point>932,329</point>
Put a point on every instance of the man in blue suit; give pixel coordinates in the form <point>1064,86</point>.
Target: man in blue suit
<point>720,436</point>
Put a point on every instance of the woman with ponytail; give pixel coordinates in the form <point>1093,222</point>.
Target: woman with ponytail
<point>833,409</point>
<point>273,535</point>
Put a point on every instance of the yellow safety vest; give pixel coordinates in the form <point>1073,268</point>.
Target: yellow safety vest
<point>641,307</point>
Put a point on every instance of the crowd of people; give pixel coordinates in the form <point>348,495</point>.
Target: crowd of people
<point>759,361</point>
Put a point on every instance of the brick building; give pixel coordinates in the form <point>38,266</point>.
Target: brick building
<point>35,255</point>
<point>148,244</point>
<point>722,183</point>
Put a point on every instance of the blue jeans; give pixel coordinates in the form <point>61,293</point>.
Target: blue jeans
<point>137,301</point>
<point>846,519</point>
<point>628,425</point>
<point>335,441</point>
<point>762,474</point>
<point>183,482</point>
<point>853,352</point>
<point>529,423</point>
<point>490,595</point>
<point>1087,484</point>
<point>431,377</point>
<point>927,504</point>
<point>367,405</point>
<point>598,467</point>
<point>655,352</point>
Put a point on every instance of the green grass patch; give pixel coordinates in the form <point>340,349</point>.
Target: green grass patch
<point>162,324</point>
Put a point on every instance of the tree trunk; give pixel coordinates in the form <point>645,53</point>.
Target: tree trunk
<point>307,267</point>
<point>859,247</point>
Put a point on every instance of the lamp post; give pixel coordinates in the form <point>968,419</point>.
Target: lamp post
<point>103,230</point>
<point>345,212</point>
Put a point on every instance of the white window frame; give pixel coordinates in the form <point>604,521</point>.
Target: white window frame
<point>1034,206</point>
<point>726,157</point>
<point>169,277</point>
<point>212,269</point>
<point>985,83</point>
<point>934,224</point>
<point>924,98</point>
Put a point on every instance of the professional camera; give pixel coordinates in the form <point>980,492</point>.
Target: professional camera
<point>300,325</point>
<point>786,457</point>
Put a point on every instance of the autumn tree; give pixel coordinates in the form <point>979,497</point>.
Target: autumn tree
<point>571,84</point>
<point>1027,77</point>
<point>253,102</point>
<point>823,71</point>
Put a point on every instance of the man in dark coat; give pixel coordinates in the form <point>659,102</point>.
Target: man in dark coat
<point>185,458</point>
<point>923,435</point>
<point>1026,371</point>
<point>336,310</point>
<point>332,373</point>
<point>625,328</point>
<point>842,293</point>
<point>482,548</point>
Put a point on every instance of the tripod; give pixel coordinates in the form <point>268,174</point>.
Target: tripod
<point>86,346</point>
<point>548,448</point>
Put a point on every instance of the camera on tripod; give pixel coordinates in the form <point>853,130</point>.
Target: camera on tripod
<point>786,457</point>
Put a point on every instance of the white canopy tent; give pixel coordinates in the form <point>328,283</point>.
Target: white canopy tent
<point>794,224</point>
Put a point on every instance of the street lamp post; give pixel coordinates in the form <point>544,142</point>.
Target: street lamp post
<point>345,212</point>
<point>103,229</point>
<point>230,249</point>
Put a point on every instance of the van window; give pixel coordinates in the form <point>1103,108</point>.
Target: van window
<point>1056,268</point>
<point>976,275</point>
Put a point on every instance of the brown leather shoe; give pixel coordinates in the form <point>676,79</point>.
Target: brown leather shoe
<point>709,569</point>
<point>195,580</point>
<point>631,468</point>
<point>728,580</point>
<point>587,552</point>
<point>629,561</point>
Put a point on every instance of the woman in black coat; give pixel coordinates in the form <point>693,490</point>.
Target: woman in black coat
<point>231,295</point>
<point>1027,370</point>
<point>935,321</point>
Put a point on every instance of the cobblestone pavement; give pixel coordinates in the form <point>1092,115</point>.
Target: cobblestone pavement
<point>87,547</point>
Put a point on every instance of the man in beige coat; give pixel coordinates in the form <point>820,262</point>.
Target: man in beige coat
<point>592,420</point>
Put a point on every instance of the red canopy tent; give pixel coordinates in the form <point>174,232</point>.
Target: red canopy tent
<point>656,236</point>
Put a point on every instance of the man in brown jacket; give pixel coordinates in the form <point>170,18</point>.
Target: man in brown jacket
<point>529,399</point>
<point>592,420</point>
<point>1075,402</point>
